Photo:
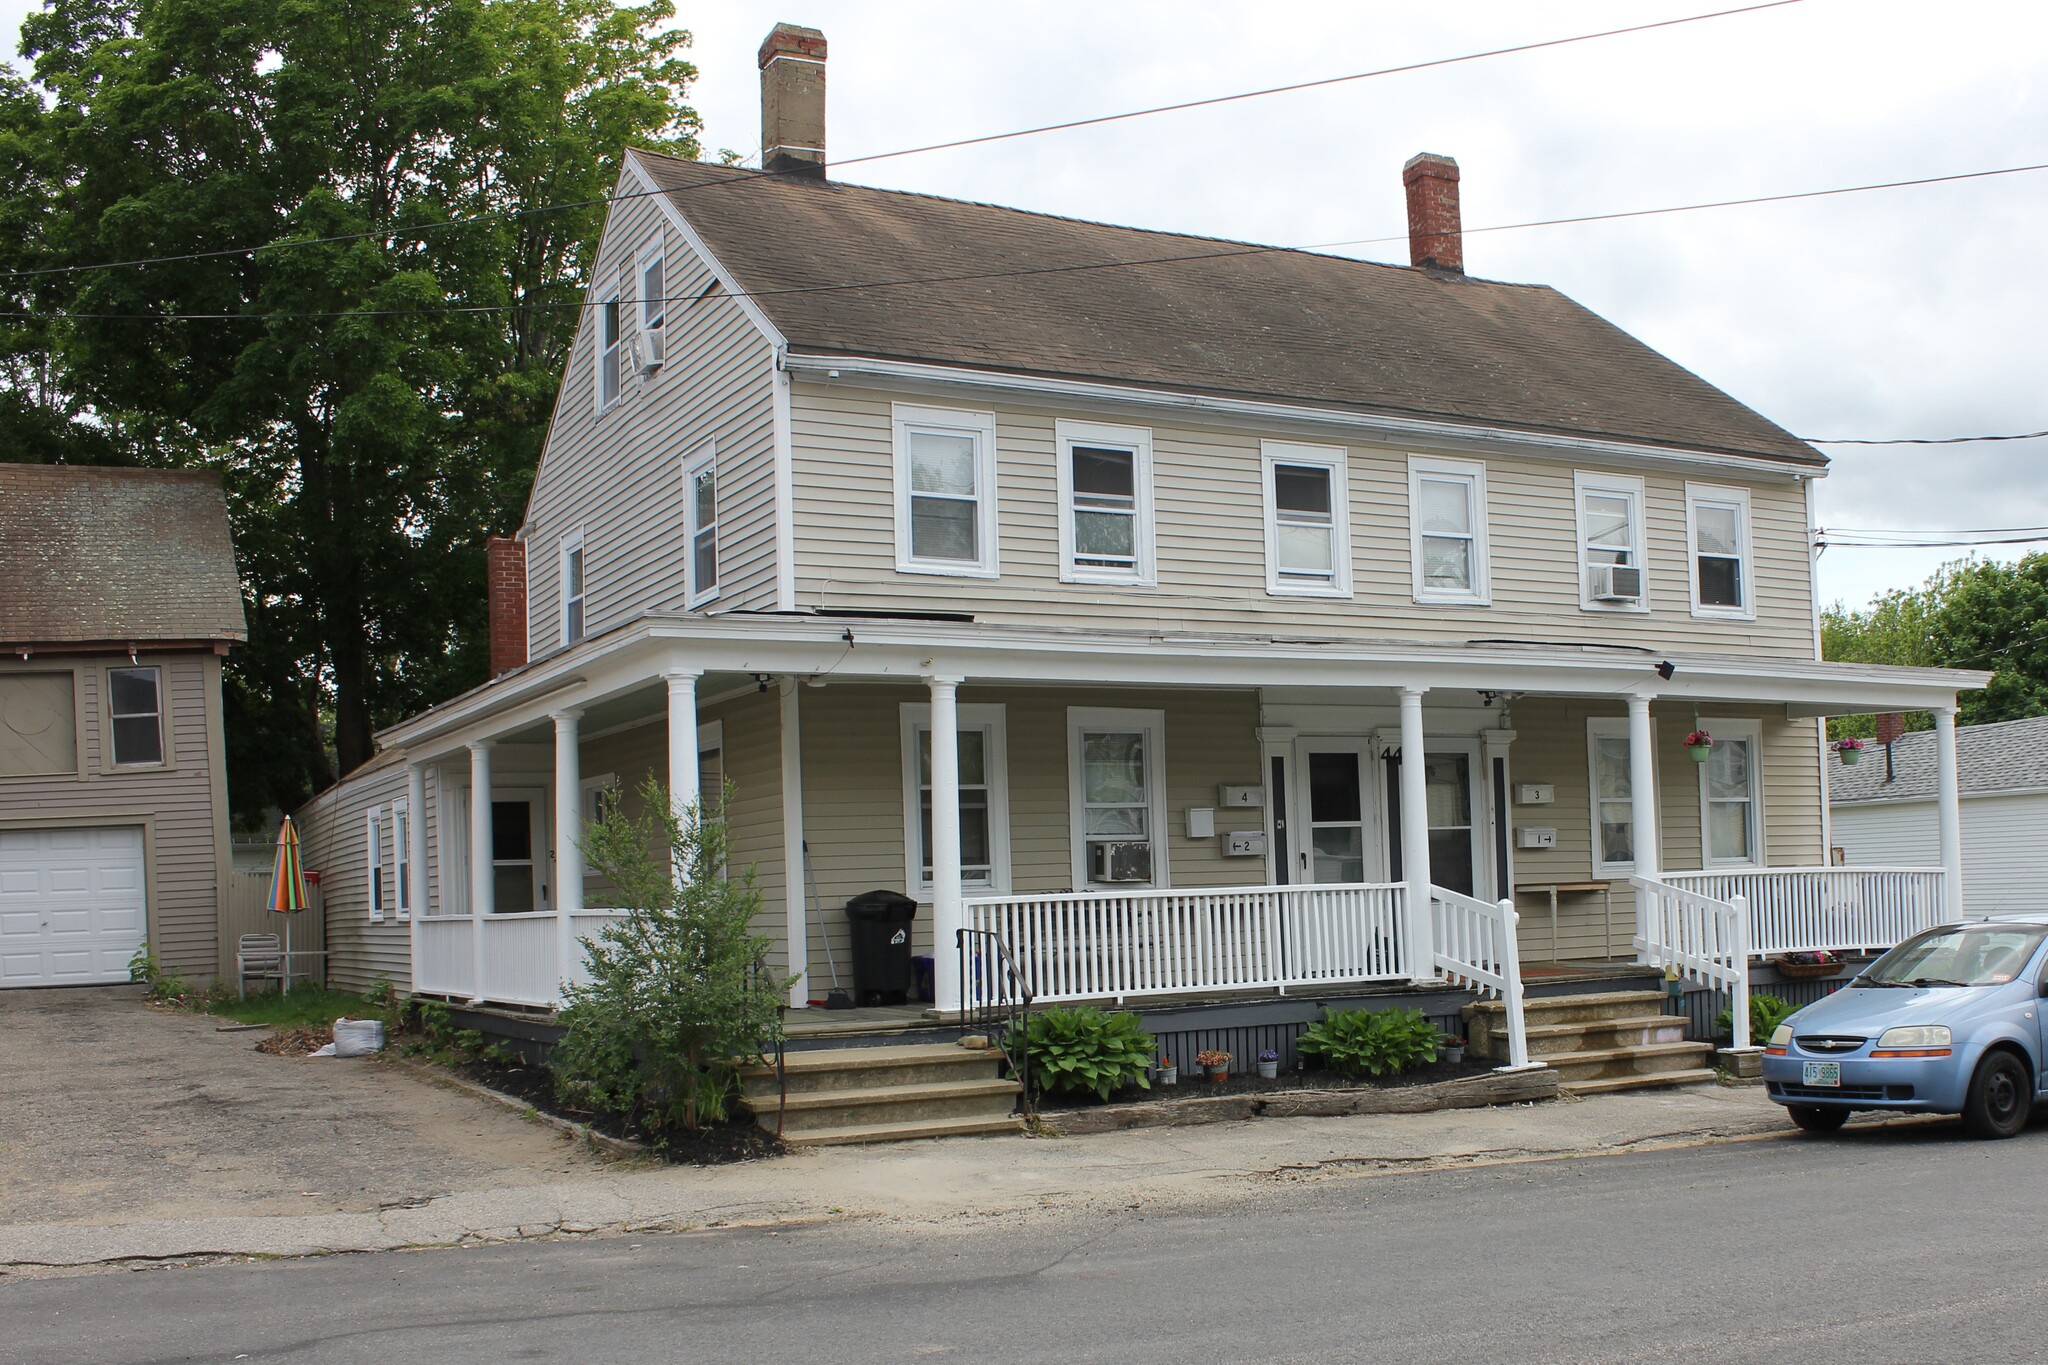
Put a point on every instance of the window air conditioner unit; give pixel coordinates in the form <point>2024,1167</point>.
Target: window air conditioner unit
<point>1617,583</point>
<point>1120,862</point>
<point>650,349</point>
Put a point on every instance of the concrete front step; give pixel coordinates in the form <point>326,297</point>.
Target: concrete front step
<point>899,1132</point>
<point>1486,1020</point>
<point>1547,1040</point>
<point>988,1099</point>
<point>857,1068</point>
<point>1613,1063</point>
<point>1610,1084</point>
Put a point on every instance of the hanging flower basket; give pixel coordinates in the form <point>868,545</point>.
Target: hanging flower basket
<point>1849,750</point>
<point>1698,745</point>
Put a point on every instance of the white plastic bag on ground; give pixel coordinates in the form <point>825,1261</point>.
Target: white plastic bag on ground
<point>358,1037</point>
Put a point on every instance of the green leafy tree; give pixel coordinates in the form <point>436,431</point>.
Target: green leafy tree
<point>374,386</point>
<point>677,989</point>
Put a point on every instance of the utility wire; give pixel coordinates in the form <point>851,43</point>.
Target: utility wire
<point>515,214</point>
<point>1920,440</point>
<point>908,281</point>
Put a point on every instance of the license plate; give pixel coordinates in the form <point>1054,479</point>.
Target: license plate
<point>1822,1074</point>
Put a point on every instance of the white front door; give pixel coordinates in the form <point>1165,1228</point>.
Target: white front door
<point>71,905</point>
<point>1331,831</point>
<point>519,851</point>
<point>1454,782</point>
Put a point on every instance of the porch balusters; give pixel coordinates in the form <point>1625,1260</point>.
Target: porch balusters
<point>947,911</point>
<point>482,879</point>
<point>1948,805</point>
<point>568,838</point>
<point>1415,833</point>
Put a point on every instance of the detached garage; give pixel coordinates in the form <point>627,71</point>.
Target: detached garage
<point>121,603</point>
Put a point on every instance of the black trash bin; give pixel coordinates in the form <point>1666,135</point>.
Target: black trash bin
<point>879,922</point>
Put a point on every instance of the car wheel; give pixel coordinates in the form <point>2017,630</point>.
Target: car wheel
<point>2001,1095</point>
<point>1815,1119</point>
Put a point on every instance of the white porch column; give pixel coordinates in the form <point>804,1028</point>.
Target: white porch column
<point>795,854</point>
<point>1415,835</point>
<point>1642,793</point>
<point>568,838</point>
<point>416,851</point>
<point>482,879</point>
<point>1948,798</point>
<point>683,778</point>
<point>948,915</point>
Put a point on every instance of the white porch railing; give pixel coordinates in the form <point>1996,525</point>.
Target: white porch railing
<point>1807,909</point>
<point>520,958</point>
<point>1475,946</point>
<point>1702,939</point>
<point>1118,944</point>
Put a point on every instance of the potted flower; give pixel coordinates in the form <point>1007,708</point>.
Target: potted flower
<point>1450,1048</point>
<point>1819,963</point>
<point>1269,1065</point>
<point>1169,1074</point>
<point>1217,1064</point>
<point>1698,745</point>
<point>1849,750</point>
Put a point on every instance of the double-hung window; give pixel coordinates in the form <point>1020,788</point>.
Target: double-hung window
<point>611,360</point>
<point>1117,796</point>
<point>945,491</point>
<point>135,708</point>
<point>377,858</point>
<point>1447,530</point>
<point>1731,795</point>
<point>653,303</point>
<point>1717,531</point>
<point>700,480</point>
<point>984,796</point>
<point>1612,575</point>
<point>401,858</point>
<point>1105,484</point>
<point>1308,539</point>
<point>1613,792</point>
<point>572,587</point>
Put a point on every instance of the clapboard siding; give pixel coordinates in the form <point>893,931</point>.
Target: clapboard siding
<point>1211,540</point>
<point>334,843</point>
<point>618,476</point>
<point>1551,747</point>
<point>182,805</point>
<point>2005,858</point>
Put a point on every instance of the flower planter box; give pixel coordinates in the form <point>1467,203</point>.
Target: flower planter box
<point>1805,971</point>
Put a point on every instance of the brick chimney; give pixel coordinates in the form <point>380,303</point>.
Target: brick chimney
<point>505,589</point>
<point>1435,239</point>
<point>793,100</point>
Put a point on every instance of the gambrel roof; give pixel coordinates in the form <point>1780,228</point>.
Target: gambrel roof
<point>847,270</point>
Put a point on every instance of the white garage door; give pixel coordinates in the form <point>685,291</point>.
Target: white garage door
<point>71,911</point>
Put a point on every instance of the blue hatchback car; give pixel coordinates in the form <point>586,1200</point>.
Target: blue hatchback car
<point>1949,1022</point>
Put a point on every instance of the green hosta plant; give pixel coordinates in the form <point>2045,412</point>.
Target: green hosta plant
<point>1766,1012</point>
<point>1372,1042</point>
<point>1077,1051</point>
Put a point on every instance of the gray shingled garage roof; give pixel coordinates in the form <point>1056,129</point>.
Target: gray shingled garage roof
<point>1272,325</point>
<point>90,555</point>
<point>2008,756</point>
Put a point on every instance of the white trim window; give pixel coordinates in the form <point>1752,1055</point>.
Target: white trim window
<point>945,491</point>
<point>1105,483</point>
<point>1610,527</point>
<point>135,716</point>
<point>599,797</point>
<point>572,584</point>
<point>700,490</point>
<point>1612,796</point>
<point>1720,552</point>
<point>1116,792</point>
<point>652,290</point>
<point>401,857</point>
<point>984,797</point>
<point>1308,534</point>
<point>609,378</point>
<point>1447,530</point>
<point>1731,795</point>
<point>376,851</point>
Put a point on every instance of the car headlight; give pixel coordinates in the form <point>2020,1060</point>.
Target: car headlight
<point>1914,1036</point>
<point>1781,1035</point>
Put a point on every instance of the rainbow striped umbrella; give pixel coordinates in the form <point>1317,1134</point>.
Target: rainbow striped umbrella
<point>287,891</point>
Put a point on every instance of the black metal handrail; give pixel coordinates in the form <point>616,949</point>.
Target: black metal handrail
<point>995,999</point>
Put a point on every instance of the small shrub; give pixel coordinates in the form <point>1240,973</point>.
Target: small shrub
<point>1085,1051</point>
<point>1371,1042</point>
<point>1766,1012</point>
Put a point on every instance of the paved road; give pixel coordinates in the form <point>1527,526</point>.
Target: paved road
<point>1904,1244</point>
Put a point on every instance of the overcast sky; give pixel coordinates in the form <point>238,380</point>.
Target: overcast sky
<point>1911,312</point>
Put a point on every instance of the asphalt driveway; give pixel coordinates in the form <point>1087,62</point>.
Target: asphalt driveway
<point>111,1111</point>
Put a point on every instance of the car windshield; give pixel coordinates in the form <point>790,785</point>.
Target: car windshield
<point>1957,955</point>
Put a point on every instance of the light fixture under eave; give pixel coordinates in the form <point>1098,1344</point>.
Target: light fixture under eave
<point>1665,668</point>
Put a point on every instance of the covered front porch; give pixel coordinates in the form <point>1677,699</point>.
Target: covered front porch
<point>1158,818</point>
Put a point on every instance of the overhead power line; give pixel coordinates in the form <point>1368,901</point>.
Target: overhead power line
<point>1920,440</point>
<point>420,229</point>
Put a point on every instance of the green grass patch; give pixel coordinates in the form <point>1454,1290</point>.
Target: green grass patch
<point>305,1007</point>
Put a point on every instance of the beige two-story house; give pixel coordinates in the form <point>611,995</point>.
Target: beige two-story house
<point>1164,615</point>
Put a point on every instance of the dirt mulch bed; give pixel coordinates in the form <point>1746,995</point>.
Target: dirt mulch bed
<point>1197,1086</point>
<point>297,1042</point>
<point>713,1145</point>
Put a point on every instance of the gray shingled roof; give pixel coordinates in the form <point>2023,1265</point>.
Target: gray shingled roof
<point>1272,325</point>
<point>2011,755</point>
<point>115,555</point>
